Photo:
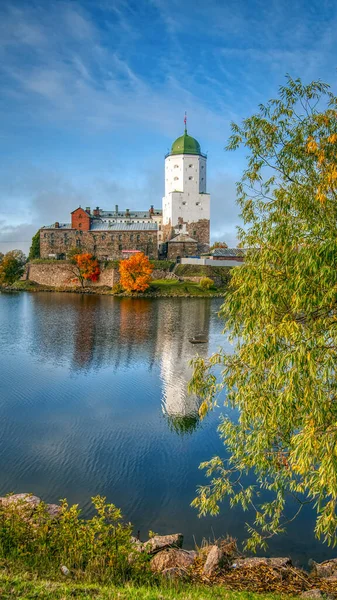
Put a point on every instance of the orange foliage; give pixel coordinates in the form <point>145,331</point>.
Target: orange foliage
<point>85,267</point>
<point>135,273</point>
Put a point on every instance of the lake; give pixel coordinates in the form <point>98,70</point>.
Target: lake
<point>93,400</point>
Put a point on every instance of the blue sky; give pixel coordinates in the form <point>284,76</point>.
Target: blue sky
<point>93,92</point>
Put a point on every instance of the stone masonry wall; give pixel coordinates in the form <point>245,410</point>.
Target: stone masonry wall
<point>59,274</point>
<point>176,249</point>
<point>105,245</point>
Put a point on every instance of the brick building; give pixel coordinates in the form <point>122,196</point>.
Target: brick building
<point>181,228</point>
<point>107,235</point>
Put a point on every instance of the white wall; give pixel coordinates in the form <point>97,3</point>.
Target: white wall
<point>185,189</point>
<point>211,262</point>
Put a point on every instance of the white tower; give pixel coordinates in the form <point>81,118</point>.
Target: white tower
<point>186,204</point>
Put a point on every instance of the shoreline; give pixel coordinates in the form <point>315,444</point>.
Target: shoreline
<point>108,292</point>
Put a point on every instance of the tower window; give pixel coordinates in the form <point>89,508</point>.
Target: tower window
<point>184,203</point>
<point>176,178</point>
<point>197,203</point>
<point>190,177</point>
<point>190,166</point>
<point>176,166</point>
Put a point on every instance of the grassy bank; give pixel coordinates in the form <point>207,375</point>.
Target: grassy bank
<point>24,587</point>
<point>158,288</point>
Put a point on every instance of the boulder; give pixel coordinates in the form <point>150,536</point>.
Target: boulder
<point>173,558</point>
<point>160,542</point>
<point>213,561</point>
<point>174,574</point>
<point>328,568</point>
<point>53,510</point>
<point>316,594</point>
<point>25,501</point>
<point>257,561</point>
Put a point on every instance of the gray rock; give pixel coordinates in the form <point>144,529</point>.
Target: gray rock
<point>213,561</point>
<point>257,561</point>
<point>174,574</point>
<point>53,510</point>
<point>172,558</point>
<point>328,568</point>
<point>160,542</point>
<point>27,500</point>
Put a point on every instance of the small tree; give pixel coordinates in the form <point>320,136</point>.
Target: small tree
<point>34,251</point>
<point>218,245</point>
<point>135,273</point>
<point>12,266</point>
<point>85,267</point>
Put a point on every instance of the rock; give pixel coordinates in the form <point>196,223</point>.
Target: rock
<point>53,510</point>
<point>137,544</point>
<point>27,499</point>
<point>328,568</point>
<point>174,574</point>
<point>160,542</point>
<point>65,570</point>
<point>316,594</point>
<point>213,561</point>
<point>172,558</point>
<point>257,561</point>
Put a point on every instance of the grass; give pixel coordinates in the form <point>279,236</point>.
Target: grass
<point>173,287</point>
<point>223,273</point>
<point>24,587</point>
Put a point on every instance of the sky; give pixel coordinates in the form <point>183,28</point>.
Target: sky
<point>93,93</point>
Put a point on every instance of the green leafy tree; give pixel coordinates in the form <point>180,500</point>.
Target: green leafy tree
<point>12,266</point>
<point>34,251</point>
<point>281,315</point>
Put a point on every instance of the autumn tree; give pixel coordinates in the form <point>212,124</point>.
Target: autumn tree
<point>281,315</point>
<point>218,245</point>
<point>12,266</point>
<point>34,251</point>
<point>85,267</point>
<point>135,273</point>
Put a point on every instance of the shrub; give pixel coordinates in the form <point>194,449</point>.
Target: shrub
<point>98,549</point>
<point>206,283</point>
<point>117,288</point>
<point>135,273</point>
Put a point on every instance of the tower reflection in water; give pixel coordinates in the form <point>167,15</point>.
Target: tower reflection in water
<point>179,406</point>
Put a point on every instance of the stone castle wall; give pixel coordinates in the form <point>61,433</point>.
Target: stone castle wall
<point>59,274</point>
<point>103,244</point>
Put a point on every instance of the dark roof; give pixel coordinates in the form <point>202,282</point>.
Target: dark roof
<point>100,226</point>
<point>138,214</point>
<point>225,252</point>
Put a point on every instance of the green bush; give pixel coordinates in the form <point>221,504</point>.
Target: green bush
<point>99,549</point>
<point>206,283</point>
<point>117,288</point>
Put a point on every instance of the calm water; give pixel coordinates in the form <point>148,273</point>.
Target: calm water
<point>93,400</point>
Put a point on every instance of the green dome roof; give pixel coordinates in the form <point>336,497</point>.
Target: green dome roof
<point>185,145</point>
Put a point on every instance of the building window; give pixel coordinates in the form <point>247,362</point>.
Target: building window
<point>197,203</point>
<point>44,235</point>
<point>190,166</point>
<point>190,177</point>
<point>103,237</point>
<point>194,232</point>
<point>80,225</point>
<point>78,243</point>
<point>131,237</point>
<point>120,247</point>
<point>120,237</point>
<point>176,179</point>
<point>176,166</point>
<point>138,238</point>
<point>112,238</point>
<point>184,203</point>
